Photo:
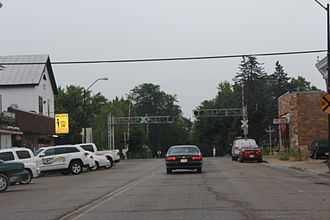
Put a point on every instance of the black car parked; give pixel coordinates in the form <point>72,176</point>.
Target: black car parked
<point>184,157</point>
<point>319,148</point>
<point>11,173</point>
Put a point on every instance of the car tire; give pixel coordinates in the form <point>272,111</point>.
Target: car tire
<point>315,156</point>
<point>96,167</point>
<point>232,158</point>
<point>199,170</point>
<point>4,182</point>
<point>29,179</point>
<point>75,167</point>
<point>236,158</point>
<point>169,171</point>
<point>240,160</point>
<point>111,161</point>
<point>65,172</point>
<point>107,166</point>
<point>259,161</point>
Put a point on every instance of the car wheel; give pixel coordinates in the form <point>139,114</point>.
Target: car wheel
<point>232,158</point>
<point>97,166</point>
<point>108,166</point>
<point>199,170</point>
<point>75,167</point>
<point>168,170</point>
<point>259,161</point>
<point>4,182</point>
<point>240,160</point>
<point>315,156</point>
<point>111,161</point>
<point>28,180</point>
<point>236,158</point>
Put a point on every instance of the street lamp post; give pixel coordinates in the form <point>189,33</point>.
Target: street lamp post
<point>328,65</point>
<point>85,113</point>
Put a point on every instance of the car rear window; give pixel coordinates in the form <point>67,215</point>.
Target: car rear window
<point>188,150</point>
<point>23,154</point>
<point>7,156</point>
<point>250,148</point>
<point>87,147</point>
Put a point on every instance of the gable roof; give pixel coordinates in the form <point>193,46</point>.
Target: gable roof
<point>25,70</point>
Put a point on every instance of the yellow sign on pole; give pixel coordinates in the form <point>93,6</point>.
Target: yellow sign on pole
<point>61,123</point>
<point>325,103</point>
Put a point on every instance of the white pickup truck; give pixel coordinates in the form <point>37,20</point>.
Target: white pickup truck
<point>112,155</point>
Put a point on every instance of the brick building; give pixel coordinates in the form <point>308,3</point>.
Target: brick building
<point>305,120</point>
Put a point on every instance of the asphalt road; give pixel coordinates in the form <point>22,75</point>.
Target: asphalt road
<point>141,189</point>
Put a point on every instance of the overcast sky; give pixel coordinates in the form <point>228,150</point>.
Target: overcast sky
<point>74,30</point>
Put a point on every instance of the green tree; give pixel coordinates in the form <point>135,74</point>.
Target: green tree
<point>301,84</point>
<point>70,100</point>
<point>148,99</point>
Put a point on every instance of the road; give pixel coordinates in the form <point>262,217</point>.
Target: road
<point>141,189</point>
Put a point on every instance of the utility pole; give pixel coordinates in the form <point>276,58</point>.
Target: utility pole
<point>270,130</point>
<point>245,120</point>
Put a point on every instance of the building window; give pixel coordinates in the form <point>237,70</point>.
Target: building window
<point>41,109</point>
<point>48,107</point>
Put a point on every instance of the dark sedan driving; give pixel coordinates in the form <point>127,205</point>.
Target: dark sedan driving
<point>184,157</point>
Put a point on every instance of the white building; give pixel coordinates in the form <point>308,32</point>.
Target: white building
<point>27,84</point>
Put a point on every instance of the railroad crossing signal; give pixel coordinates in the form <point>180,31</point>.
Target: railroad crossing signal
<point>244,123</point>
<point>325,103</point>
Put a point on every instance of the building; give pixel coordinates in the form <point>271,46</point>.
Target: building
<point>304,122</point>
<point>27,90</point>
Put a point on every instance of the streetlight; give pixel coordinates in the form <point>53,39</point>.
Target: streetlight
<point>328,64</point>
<point>85,113</point>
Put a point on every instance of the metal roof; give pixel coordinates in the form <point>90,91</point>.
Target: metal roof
<point>16,70</point>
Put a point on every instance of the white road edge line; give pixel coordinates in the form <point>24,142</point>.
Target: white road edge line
<point>76,214</point>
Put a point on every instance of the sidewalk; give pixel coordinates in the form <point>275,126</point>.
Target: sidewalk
<point>312,166</point>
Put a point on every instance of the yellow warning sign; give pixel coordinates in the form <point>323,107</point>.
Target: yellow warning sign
<point>61,123</point>
<point>325,103</point>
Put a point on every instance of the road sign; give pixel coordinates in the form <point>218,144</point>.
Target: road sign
<point>278,121</point>
<point>244,123</point>
<point>61,123</point>
<point>325,103</point>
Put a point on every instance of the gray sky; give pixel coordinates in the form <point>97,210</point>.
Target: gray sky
<point>71,30</point>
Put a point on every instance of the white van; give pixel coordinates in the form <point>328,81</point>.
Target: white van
<point>237,146</point>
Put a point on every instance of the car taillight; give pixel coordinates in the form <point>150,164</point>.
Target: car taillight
<point>258,151</point>
<point>170,158</point>
<point>196,158</point>
<point>86,154</point>
<point>118,153</point>
<point>236,148</point>
<point>91,157</point>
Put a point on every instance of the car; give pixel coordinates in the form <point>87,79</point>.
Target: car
<point>112,155</point>
<point>64,158</point>
<point>100,161</point>
<point>250,153</point>
<point>23,155</point>
<point>11,173</point>
<point>184,157</point>
<point>319,148</point>
<point>238,144</point>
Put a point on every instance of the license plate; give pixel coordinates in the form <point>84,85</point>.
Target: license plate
<point>184,160</point>
<point>252,156</point>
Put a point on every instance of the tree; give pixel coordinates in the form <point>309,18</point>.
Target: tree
<point>148,99</point>
<point>300,84</point>
<point>70,101</point>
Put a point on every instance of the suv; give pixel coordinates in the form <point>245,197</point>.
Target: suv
<point>237,146</point>
<point>64,158</point>
<point>23,155</point>
<point>319,148</point>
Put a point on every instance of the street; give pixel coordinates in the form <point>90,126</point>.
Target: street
<point>141,189</point>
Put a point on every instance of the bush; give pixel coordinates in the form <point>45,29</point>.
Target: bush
<point>294,154</point>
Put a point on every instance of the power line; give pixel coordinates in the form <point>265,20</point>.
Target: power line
<point>171,58</point>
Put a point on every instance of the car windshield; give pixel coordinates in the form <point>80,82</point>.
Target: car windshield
<point>185,150</point>
<point>38,151</point>
<point>250,148</point>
